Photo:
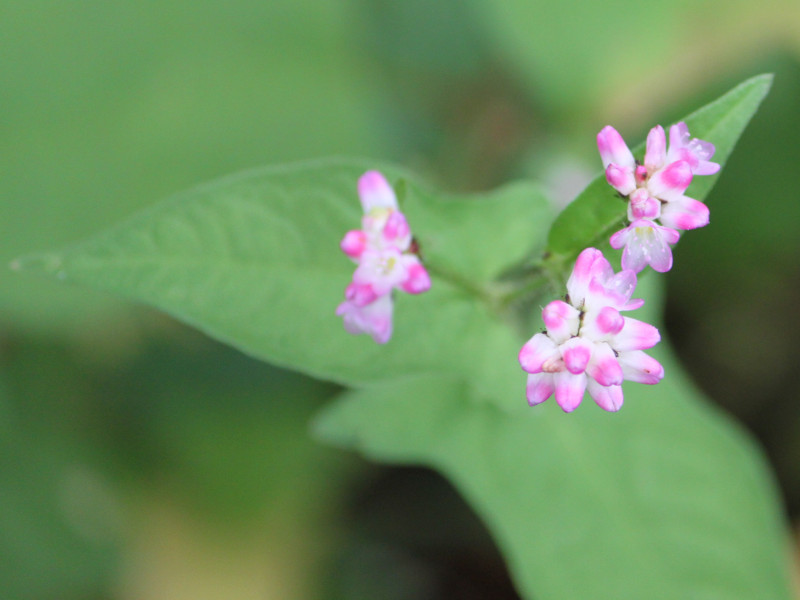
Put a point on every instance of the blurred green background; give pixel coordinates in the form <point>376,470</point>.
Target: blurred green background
<point>140,460</point>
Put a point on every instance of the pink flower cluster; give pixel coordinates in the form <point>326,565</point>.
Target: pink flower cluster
<point>381,249</point>
<point>658,207</point>
<point>588,345</point>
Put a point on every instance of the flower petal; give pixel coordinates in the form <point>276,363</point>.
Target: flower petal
<point>656,154</point>
<point>374,319</point>
<point>536,351</point>
<point>635,335</point>
<point>621,179</point>
<point>417,279</point>
<point>561,320</point>
<point>671,181</point>
<point>375,192</point>
<point>613,149</point>
<point>354,243</point>
<point>640,367</point>
<point>603,367</point>
<point>576,352</point>
<point>540,387</point>
<point>684,213</point>
<point>569,389</point>
<point>590,264</point>
<point>396,231</point>
<point>695,151</point>
<point>607,397</point>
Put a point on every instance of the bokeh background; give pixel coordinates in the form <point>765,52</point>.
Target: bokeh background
<point>141,460</point>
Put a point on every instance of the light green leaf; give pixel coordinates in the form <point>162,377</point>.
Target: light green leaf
<point>199,89</point>
<point>254,260</point>
<point>665,499</point>
<point>598,211</point>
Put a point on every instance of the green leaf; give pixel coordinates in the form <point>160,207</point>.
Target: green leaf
<point>254,260</point>
<point>598,211</point>
<point>665,499</point>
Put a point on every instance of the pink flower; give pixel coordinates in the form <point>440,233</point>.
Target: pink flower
<point>656,191</point>
<point>373,318</point>
<point>381,249</point>
<point>588,345</point>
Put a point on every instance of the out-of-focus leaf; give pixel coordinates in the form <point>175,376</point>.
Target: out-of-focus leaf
<point>253,260</point>
<point>57,517</point>
<point>100,118</point>
<point>665,499</point>
<point>598,210</point>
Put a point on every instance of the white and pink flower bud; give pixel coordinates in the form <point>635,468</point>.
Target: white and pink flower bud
<point>656,192</point>
<point>375,192</point>
<point>613,149</point>
<point>588,344</point>
<point>354,243</point>
<point>385,263</point>
<point>620,179</point>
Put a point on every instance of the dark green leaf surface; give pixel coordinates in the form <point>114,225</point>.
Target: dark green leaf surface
<point>253,260</point>
<point>598,211</point>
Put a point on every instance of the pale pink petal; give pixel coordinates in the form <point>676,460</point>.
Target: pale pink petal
<point>640,367</point>
<point>374,319</point>
<point>671,181</point>
<point>607,397</point>
<point>646,244</point>
<point>635,335</point>
<point>620,238</point>
<point>569,389</point>
<point>576,353</point>
<point>656,154</point>
<point>643,206</point>
<point>417,279</point>
<point>684,213</point>
<point>695,151</point>
<point>613,148</point>
<point>375,192</point>
<point>360,294</point>
<point>539,388</point>
<point>396,231</point>
<point>600,325</point>
<point>621,179</point>
<point>612,291</point>
<point>561,320</point>
<point>590,264</point>
<point>536,352</point>
<point>603,367</point>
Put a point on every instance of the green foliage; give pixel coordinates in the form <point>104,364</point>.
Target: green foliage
<point>97,122</point>
<point>597,212</point>
<point>253,260</point>
<point>665,499</point>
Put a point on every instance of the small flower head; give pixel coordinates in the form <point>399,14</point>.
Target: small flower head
<point>588,345</point>
<point>658,206</point>
<point>382,251</point>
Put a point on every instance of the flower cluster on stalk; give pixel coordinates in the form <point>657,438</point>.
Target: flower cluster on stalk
<point>588,344</point>
<point>382,251</point>
<point>657,206</point>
